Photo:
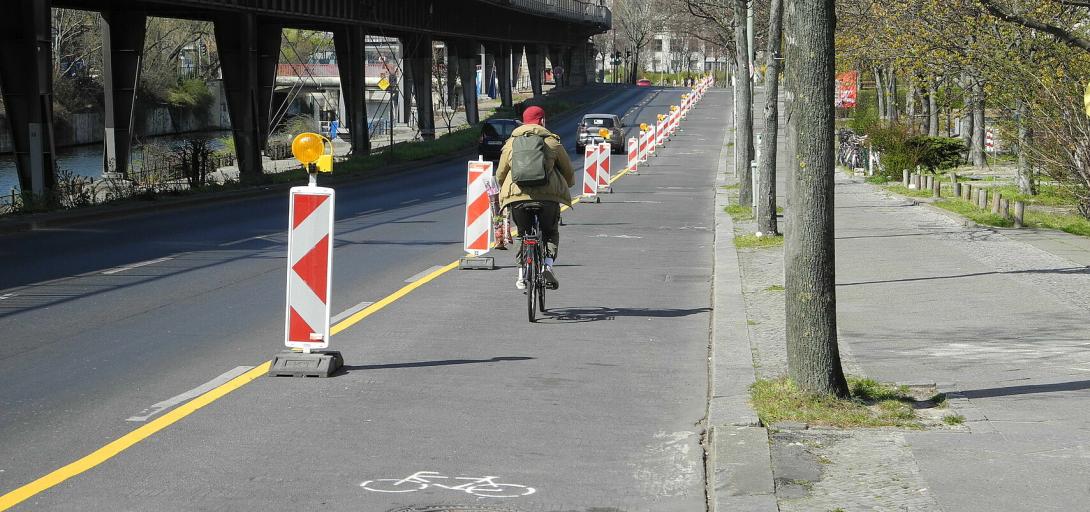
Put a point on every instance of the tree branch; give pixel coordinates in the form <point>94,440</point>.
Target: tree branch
<point>1060,33</point>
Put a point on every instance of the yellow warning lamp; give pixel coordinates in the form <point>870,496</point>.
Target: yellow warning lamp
<point>684,96</point>
<point>644,127</point>
<point>603,133</point>
<point>674,108</point>
<point>661,117</point>
<point>309,148</point>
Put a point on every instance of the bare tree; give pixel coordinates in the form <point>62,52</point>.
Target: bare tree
<point>637,22</point>
<point>743,105</point>
<point>813,357</point>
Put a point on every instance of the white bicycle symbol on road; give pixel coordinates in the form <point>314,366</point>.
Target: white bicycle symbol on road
<point>485,486</point>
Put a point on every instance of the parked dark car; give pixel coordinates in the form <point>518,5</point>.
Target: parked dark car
<point>591,126</point>
<point>494,132</point>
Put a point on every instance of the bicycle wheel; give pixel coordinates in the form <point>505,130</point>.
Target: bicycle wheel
<point>541,290</point>
<point>531,281</point>
<point>393,485</point>
<point>500,490</point>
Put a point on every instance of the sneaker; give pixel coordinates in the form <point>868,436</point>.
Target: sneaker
<point>520,283</point>
<point>550,278</point>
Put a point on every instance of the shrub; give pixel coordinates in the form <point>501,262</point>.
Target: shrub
<point>935,153</point>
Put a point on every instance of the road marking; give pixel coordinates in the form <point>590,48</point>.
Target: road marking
<point>374,210</point>
<point>441,194</point>
<point>349,312</point>
<point>193,393</point>
<point>7,296</point>
<point>122,443</point>
<point>136,265</point>
<point>244,240</point>
<point>420,275</point>
<point>410,201</point>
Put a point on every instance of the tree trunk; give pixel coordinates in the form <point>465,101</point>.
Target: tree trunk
<point>1026,184</point>
<point>743,107</point>
<point>880,93</point>
<point>967,121</point>
<point>891,102</point>
<point>979,126</point>
<point>910,104</point>
<point>932,109</point>
<point>813,358</point>
<point>766,196</point>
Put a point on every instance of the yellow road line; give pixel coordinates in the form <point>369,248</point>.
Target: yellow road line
<point>126,441</point>
<point>117,446</point>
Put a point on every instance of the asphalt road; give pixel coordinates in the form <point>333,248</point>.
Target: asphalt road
<point>597,406</point>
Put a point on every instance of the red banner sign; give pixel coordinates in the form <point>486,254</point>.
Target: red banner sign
<point>847,89</point>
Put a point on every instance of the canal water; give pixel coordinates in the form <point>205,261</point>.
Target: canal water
<point>86,160</point>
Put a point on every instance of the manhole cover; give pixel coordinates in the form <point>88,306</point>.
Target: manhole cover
<point>453,508</point>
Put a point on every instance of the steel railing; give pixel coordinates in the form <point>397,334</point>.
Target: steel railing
<point>578,10</point>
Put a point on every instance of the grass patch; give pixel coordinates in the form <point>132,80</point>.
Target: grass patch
<point>985,217</point>
<point>774,288</point>
<point>1069,222</point>
<point>898,188</point>
<point>1047,195</point>
<point>757,242</point>
<point>877,179</point>
<point>739,212</point>
<point>731,187</point>
<point>955,419</point>
<point>872,404</point>
<point>750,322</point>
<point>939,400</point>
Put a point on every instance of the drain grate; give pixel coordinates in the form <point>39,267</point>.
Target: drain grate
<point>453,508</point>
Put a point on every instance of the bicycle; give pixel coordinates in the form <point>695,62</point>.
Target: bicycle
<point>533,265</point>
<point>485,486</point>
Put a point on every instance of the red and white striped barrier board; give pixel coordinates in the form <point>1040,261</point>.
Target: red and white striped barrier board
<point>479,235</point>
<point>605,153</point>
<point>634,154</point>
<point>590,170</point>
<point>310,264</point>
<point>652,141</point>
<point>645,144</point>
<point>660,134</point>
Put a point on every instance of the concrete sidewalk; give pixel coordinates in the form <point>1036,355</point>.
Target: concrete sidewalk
<point>994,318</point>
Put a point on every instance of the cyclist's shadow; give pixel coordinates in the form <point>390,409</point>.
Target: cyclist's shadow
<point>597,314</point>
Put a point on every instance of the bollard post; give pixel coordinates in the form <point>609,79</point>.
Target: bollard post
<point>930,183</point>
<point>753,175</point>
<point>936,188</point>
<point>1019,214</point>
<point>967,191</point>
<point>996,198</point>
<point>904,178</point>
<point>955,189</point>
<point>982,199</point>
<point>1004,208</point>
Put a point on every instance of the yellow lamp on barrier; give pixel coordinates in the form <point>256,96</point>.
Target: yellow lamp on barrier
<point>644,127</point>
<point>603,133</point>
<point>684,96</point>
<point>661,117</point>
<point>309,148</point>
<point>674,108</point>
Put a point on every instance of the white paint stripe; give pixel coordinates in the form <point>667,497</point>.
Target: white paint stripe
<point>244,240</point>
<point>421,275</point>
<point>136,265</point>
<point>191,394</point>
<point>349,312</point>
<point>441,194</point>
<point>410,201</point>
<point>309,305</point>
<point>7,296</point>
<point>368,212</point>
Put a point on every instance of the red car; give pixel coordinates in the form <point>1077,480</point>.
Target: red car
<point>643,82</point>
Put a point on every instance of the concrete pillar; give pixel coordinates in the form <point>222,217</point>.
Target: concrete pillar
<point>122,51</point>
<point>467,55</point>
<point>535,60</point>
<point>555,64</point>
<point>249,52</point>
<point>451,77</point>
<point>491,74</point>
<point>351,57</point>
<point>504,58</point>
<point>581,68</point>
<point>418,58</point>
<point>26,80</point>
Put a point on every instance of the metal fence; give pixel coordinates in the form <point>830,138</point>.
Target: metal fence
<point>581,10</point>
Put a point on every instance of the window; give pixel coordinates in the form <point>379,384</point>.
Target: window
<point>658,45</point>
<point>599,122</point>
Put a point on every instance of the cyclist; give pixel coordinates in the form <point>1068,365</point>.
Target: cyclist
<point>547,197</point>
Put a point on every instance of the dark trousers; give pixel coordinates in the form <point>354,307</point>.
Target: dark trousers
<point>548,218</point>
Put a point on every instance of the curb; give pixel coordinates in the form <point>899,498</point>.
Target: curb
<point>64,218</point>
<point>739,467</point>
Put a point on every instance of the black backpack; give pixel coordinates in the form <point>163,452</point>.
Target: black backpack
<point>528,160</point>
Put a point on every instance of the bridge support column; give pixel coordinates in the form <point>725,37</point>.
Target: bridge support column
<point>349,44</point>
<point>26,79</point>
<point>452,74</point>
<point>555,63</point>
<point>467,69</point>
<point>535,61</point>
<point>504,56</point>
<point>582,66</point>
<point>122,51</point>
<point>491,74</point>
<point>249,51</point>
<point>418,58</point>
